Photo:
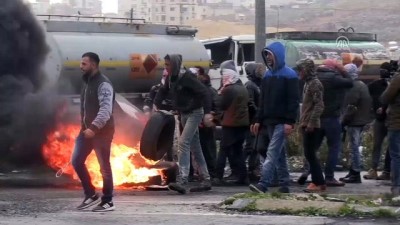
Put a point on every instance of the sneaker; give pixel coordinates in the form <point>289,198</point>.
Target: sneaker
<point>384,176</point>
<point>372,175</point>
<point>104,207</point>
<point>180,188</point>
<point>353,179</point>
<point>334,183</point>
<point>218,182</point>
<point>204,186</point>
<point>302,179</point>
<point>312,188</point>
<point>89,201</point>
<point>257,188</point>
<point>284,190</point>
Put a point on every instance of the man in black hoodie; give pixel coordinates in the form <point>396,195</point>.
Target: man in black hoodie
<point>192,101</point>
<point>255,72</point>
<point>207,134</point>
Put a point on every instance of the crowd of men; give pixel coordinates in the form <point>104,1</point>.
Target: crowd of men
<point>257,117</point>
<point>326,101</point>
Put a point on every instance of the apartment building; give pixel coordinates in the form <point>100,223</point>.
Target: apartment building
<point>140,9</point>
<point>87,7</point>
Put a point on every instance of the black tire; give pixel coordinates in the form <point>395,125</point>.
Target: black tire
<point>158,135</point>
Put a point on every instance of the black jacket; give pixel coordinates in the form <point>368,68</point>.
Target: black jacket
<point>254,99</point>
<point>187,94</point>
<point>166,104</point>
<point>376,89</point>
<point>184,89</point>
<point>335,87</point>
<point>97,102</point>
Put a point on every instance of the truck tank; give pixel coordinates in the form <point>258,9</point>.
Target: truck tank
<point>341,46</point>
<point>131,54</point>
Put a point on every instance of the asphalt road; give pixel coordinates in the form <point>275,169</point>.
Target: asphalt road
<point>55,206</point>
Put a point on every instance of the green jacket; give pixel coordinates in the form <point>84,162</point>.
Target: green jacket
<point>357,105</point>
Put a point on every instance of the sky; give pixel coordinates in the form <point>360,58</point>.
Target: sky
<point>108,5</point>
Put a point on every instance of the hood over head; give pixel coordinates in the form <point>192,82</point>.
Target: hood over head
<point>255,72</point>
<point>307,66</point>
<point>176,65</point>
<point>229,73</point>
<point>277,50</point>
<point>385,70</point>
<point>330,63</point>
<point>352,70</point>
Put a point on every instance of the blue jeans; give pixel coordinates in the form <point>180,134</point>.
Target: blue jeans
<point>276,158</point>
<point>102,148</point>
<point>394,148</point>
<point>355,134</point>
<point>190,141</point>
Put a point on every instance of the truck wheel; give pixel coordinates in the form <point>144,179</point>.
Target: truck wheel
<point>157,137</point>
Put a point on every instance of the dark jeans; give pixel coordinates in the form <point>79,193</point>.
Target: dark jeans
<point>388,160</point>
<point>332,130</point>
<point>394,146</point>
<point>232,148</point>
<point>251,152</point>
<point>209,148</point>
<point>380,132</point>
<point>310,145</point>
<point>102,148</point>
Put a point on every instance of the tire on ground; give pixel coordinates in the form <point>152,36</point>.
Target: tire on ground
<point>157,137</point>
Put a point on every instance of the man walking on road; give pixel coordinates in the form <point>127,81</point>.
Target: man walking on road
<point>192,101</point>
<point>277,114</point>
<point>97,131</point>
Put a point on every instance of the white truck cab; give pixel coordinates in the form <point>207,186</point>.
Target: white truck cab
<point>238,48</point>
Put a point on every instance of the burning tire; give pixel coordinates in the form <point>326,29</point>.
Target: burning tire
<point>158,135</point>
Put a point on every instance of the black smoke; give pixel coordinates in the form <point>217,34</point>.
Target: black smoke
<point>26,110</point>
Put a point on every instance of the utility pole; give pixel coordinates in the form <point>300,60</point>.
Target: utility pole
<point>260,30</point>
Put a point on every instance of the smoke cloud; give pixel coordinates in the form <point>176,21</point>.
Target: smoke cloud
<point>26,111</point>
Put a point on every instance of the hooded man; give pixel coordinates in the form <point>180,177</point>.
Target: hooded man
<point>233,104</point>
<point>336,82</point>
<point>192,101</point>
<point>207,134</point>
<point>277,113</point>
<point>376,88</point>
<point>357,108</point>
<point>311,110</point>
<point>255,72</point>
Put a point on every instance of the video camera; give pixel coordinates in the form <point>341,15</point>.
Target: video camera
<point>394,66</point>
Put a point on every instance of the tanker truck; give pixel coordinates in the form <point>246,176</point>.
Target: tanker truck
<point>131,52</point>
<point>132,55</point>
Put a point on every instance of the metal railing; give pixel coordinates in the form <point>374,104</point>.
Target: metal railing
<point>91,18</point>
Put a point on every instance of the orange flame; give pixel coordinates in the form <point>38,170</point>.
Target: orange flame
<point>127,164</point>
